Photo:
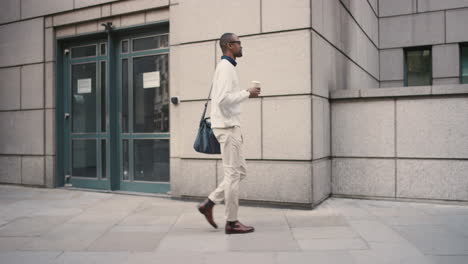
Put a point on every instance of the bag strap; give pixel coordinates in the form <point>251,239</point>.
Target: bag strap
<point>206,104</point>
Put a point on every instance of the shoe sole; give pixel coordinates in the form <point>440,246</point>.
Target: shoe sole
<point>233,233</point>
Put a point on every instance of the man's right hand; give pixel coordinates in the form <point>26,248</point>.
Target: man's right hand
<point>254,92</point>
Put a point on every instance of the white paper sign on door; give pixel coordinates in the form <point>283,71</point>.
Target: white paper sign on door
<point>151,79</point>
<point>84,86</point>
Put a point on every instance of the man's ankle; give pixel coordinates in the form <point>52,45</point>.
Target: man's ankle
<point>231,223</point>
<point>210,202</point>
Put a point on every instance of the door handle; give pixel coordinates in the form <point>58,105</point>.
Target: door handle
<point>67,115</point>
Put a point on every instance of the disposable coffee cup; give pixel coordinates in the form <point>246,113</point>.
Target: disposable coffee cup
<point>256,84</point>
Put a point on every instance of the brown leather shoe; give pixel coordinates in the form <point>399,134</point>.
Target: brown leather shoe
<point>206,208</point>
<point>238,228</point>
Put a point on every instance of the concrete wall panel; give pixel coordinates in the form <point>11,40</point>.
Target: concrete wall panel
<point>284,15</point>
<point>34,8</point>
<point>396,7</point>
<point>331,70</point>
<point>317,15</point>
<point>190,82</point>
<point>87,27</point>
<point>363,128</point>
<point>336,25</point>
<point>445,60</point>
<point>25,133</point>
<point>281,62</point>
<point>363,177</point>
<point>456,21</point>
<point>366,18</point>
<point>50,172</point>
<point>332,10</point>
<point>49,85</point>
<point>196,178</point>
<point>191,16</point>
<point>398,91</point>
<point>10,169</point>
<point>79,15</point>
<point>433,179</point>
<point>32,170</point>
<point>389,84</point>
<point>10,90</point>
<point>412,30</point>
<point>432,5</point>
<point>49,44</point>
<point>320,128</point>
<point>321,180</point>
<point>157,15</point>
<point>445,81</point>
<point>132,19</point>
<point>174,129</point>
<point>391,64</point>
<point>374,4</point>
<point>66,31</point>
<point>287,128</point>
<point>324,74</point>
<point>85,3</point>
<point>122,7</point>
<point>10,11</point>
<point>432,128</point>
<point>22,42</point>
<point>32,86</point>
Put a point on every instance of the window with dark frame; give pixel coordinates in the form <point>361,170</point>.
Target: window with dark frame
<point>464,63</point>
<point>418,66</point>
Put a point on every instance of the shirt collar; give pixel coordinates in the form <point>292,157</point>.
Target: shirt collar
<point>232,61</point>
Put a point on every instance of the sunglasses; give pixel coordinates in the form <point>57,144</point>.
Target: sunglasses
<point>238,42</point>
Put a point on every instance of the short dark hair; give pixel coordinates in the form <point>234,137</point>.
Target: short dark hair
<point>224,40</point>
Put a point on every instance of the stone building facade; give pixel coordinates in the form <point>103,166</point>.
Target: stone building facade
<point>360,98</point>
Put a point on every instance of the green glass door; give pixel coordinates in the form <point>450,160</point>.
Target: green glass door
<point>115,110</point>
<point>143,67</point>
<point>86,118</point>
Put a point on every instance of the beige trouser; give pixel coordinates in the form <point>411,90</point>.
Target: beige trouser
<point>235,169</point>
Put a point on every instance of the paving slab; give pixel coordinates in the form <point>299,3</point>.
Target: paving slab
<point>40,225</point>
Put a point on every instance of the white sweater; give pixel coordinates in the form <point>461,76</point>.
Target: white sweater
<point>226,96</point>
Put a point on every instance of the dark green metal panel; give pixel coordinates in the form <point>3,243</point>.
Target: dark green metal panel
<point>59,113</point>
<point>148,187</point>
<point>114,113</point>
<point>144,53</point>
<point>68,136</point>
<point>147,136</point>
<point>89,183</point>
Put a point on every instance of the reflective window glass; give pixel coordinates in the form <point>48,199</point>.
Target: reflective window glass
<point>464,63</point>
<point>151,94</point>
<point>84,158</point>
<point>84,97</point>
<point>418,67</point>
<point>84,51</point>
<point>151,160</point>
<point>153,42</point>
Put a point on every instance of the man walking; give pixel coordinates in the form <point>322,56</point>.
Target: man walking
<point>225,122</point>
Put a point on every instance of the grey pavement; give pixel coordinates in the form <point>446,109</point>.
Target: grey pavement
<point>73,226</point>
